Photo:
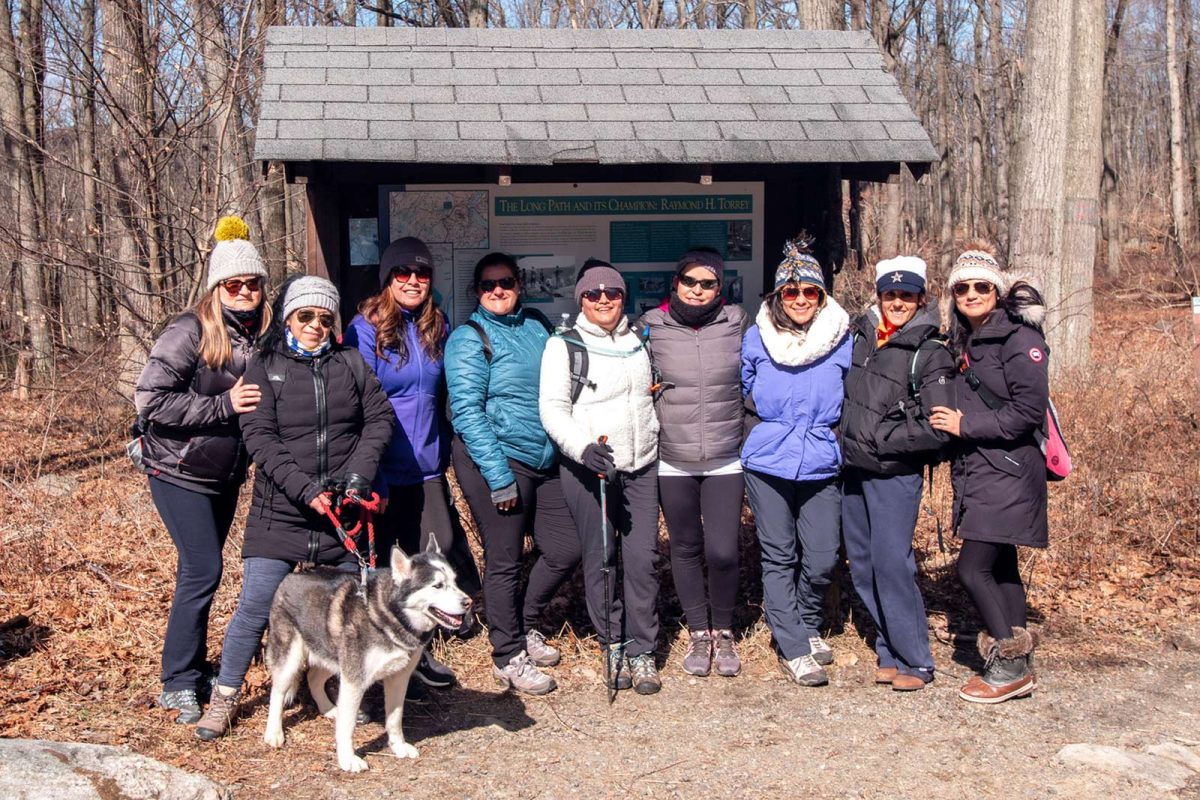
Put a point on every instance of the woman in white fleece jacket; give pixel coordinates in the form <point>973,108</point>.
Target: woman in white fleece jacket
<point>615,401</point>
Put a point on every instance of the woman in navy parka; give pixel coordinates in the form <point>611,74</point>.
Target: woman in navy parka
<point>794,362</point>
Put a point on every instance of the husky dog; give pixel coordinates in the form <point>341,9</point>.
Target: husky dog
<point>321,621</point>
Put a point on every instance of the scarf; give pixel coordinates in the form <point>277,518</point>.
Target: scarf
<point>248,318</point>
<point>294,345</point>
<point>883,332</point>
<point>694,316</point>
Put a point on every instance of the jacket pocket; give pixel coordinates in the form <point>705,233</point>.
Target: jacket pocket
<point>210,457</point>
<point>1003,461</point>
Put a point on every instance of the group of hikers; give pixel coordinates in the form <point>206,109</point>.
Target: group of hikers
<point>579,434</point>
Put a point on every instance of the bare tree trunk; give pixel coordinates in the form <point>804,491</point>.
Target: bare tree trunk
<point>1001,110</point>
<point>1111,221</point>
<point>1191,119</point>
<point>1082,191</point>
<point>477,13</point>
<point>946,156</point>
<point>1040,169</point>
<point>825,15</point>
<point>1180,215</point>
<point>228,180</point>
<point>87,166</point>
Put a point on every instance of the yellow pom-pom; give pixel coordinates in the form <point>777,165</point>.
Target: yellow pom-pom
<point>231,228</point>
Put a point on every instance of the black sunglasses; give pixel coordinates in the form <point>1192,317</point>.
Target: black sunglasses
<point>306,315</point>
<point>402,274</point>
<point>707,284</point>
<point>612,293</point>
<point>981,288</point>
<point>507,284</point>
<point>234,285</point>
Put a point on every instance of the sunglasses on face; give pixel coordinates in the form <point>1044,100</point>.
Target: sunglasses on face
<point>611,293</point>
<point>507,284</point>
<point>402,274</point>
<point>305,316</point>
<point>707,284</point>
<point>980,287</point>
<point>790,293</point>
<point>235,285</point>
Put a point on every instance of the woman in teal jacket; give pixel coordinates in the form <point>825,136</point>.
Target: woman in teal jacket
<point>508,469</point>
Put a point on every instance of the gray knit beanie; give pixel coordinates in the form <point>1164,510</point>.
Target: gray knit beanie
<point>311,291</point>
<point>597,274</point>
<point>234,255</point>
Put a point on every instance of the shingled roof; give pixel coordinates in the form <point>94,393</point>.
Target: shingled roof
<point>535,96</point>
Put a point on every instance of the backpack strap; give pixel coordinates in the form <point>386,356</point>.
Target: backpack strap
<point>484,339</point>
<point>540,318</point>
<point>577,357</point>
<point>990,399</point>
<point>931,341</point>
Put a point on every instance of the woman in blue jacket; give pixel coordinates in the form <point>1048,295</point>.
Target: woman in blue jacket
<point>508,469</point>
<point>794,362</point>
<point>401,334</point>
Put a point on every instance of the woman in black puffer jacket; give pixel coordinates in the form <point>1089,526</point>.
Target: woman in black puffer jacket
<point>189,398</point>
<point>886,441</point>
<point>999,470</point>
<point>323,420</point>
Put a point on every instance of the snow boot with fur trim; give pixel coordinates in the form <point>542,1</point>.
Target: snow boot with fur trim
<point>1006,669</point>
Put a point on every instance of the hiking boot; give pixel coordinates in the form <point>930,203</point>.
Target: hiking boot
<point>804,670</point>
<point>432,672</point>
<point>1006,669</point>
<point>725,658</point>
<point>645,674</point>
<point>522,674</point>
<point>618,667</point>
<point>219,717</point>
<point>540,652</point>
<point>698,659</point>
<point>822,653</point>
<point>903,682</point>
<point>185,702</point>
<point>885,675</point>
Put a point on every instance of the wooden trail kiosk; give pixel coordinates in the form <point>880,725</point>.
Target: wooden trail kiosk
<point>556,145</point>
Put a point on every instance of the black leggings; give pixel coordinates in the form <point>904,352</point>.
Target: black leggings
<point>704,516</point>
<point>993,579</point>
<point>417,512</point>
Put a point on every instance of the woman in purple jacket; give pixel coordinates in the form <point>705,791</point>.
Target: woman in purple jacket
<point>794,362</point>
<point>402,334</point>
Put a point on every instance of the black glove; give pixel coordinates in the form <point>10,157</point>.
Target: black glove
<point>353,483</point>
<point>599,459</point>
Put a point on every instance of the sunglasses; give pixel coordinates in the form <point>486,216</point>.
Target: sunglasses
<point>981,288</point>
<point>790,293</point>
<point>235,285</point>
<point>507,284</point>
<point>402,274</point>
<point>305,316</point>
<point>612,293</point>
<point>707,284</point>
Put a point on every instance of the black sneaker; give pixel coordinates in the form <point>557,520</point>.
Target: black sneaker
<point>185,702</point>
<point>645,674</point>
<point>432,672</point>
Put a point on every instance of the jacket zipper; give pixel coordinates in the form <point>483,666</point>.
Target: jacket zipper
<point>314,537</point>
<point>703,416</point>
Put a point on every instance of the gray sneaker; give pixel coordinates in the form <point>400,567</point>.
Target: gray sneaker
<point>540,652</point>
<point>804,670</point>
<point>185,702</point>
<point>698,659</point>
<point>822,653</point>
<point>618,667</point>
<point>522,674</point>
<point>725,658</point>
<point>645,674</point>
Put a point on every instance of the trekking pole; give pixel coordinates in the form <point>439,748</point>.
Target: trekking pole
<point>606,570</point>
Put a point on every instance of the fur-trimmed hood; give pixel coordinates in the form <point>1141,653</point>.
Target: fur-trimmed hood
<point>827,329</point>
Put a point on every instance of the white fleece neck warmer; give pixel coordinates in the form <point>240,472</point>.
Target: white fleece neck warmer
<point>789,349</point>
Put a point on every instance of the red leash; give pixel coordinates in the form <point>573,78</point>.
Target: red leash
<point>367,508</point>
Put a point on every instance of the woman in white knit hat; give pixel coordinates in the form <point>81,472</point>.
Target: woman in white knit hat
<point>322,422</point>
<point>188,398</point>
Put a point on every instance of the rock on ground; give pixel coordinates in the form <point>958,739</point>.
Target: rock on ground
<point>32,769</point>
<point>1162,771</point>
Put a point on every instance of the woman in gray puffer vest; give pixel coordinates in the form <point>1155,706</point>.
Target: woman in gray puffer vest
<point>189,399</point>
<point>695,343</point>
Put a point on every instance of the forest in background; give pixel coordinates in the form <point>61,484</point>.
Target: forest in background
<point>1067,131</point>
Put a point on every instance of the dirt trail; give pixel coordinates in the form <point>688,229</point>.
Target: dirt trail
<point>754,736</point>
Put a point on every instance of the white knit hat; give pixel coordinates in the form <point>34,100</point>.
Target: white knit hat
<point>234,255</point>
<point>310,291</point>
<point>977,265</point>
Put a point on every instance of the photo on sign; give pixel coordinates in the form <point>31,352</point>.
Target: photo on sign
<point>364,242</point>
<point>739,243</point>
<point>546,279</point>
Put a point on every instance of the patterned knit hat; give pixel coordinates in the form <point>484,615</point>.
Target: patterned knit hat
<point>978,265</point>
<point>799,265</point>
<point>233,255</point>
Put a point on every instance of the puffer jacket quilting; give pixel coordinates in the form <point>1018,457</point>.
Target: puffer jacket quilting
<point>617,403</point>
<point>494,406</point>
<point>796,388</point>
<point>700,409</point>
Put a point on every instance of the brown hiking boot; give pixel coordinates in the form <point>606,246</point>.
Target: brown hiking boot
<point>885,675</point>
<point>907,683</point>
<point>218,718</point>
<point>1006,669</point>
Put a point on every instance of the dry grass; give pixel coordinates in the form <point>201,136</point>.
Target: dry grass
<point>90,567</point>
